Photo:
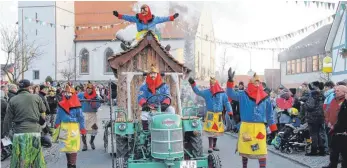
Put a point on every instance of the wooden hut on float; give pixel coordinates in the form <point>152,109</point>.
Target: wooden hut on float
<point>139,58</point>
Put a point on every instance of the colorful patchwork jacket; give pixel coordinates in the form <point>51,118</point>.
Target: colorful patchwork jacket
<point>216,102</point>
<point>70,111</point>
<point>150,25</point>
<point>145,93</point>
<point>250,111</point>
<point>89,106</point>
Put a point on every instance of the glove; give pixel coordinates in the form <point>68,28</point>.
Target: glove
<point>42,121</point>
<point>231,75</point>
<point>115,13</point>
<point>191,81</point>
<point>164,107</point>
<point>175,15</point>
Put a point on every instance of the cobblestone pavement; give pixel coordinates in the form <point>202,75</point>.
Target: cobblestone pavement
<point>309,161</point>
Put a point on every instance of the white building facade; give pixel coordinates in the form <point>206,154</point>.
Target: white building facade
<point>204,47</point>
<point>336,42</point>
<point>56,41</point>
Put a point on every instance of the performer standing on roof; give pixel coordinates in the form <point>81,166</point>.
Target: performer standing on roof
<point>256,110</point>
<point>144,21</point>
<point>90,105</point>
<point>216,99</point>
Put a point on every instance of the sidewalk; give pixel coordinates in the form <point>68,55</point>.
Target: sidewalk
<point>309,161</point>
<point>51,154</point>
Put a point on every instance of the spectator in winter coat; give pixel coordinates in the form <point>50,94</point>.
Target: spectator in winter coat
<point>314,115</point>
<point>12,91</point>
<point>3,109</point>
<point>53,103</point>
<point>339,134</point>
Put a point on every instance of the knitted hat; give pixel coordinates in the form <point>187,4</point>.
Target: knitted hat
<point>24,83</point>
<point>43,87</point>
<point>330,84</point>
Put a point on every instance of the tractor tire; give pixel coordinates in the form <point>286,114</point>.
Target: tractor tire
<point>122,147</point>
<point>214,161</point>
<point>194,144</point>
<point>121,162</point>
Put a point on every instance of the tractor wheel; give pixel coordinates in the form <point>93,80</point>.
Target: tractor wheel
<point>121,162</point>
<point>214,161</point>
<point>122,147</point>
<point>106,138</point>
<point>194,144</point>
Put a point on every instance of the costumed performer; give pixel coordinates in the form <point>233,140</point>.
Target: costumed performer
<point>69,125</point>
<point>216,100</point>
<point>153,86</point>
<point>256,111</point>
<point>90,105</point>
<point>145,21</point>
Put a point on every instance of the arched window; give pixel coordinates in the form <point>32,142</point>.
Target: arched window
<point>108,53</point>
<point>84,61</point>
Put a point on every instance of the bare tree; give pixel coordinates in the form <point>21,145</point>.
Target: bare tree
<point>20,53</point>
<point>68,74</point>
<point>323,77</point>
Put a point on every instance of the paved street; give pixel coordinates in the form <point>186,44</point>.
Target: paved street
<point>99,159</point>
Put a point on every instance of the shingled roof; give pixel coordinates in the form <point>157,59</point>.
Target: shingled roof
<point>147,40</point>
<point>316,42</point>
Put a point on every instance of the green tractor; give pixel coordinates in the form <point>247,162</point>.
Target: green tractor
<point>171,140</point>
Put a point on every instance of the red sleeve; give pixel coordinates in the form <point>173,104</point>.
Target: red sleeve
<point>120,16</point>
<point>166,101</point>
<point>83,131</point>
<point>142,101</point>
<point>230,84</point>
<point>56,125</point>
<point>194,84</point>
<point>273,127</point>
<point>172,18</point>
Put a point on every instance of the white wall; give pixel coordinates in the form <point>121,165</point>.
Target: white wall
<point>65,45</point>
<point>204,50</point>
<point>97,61</point>
<point>339,63</point>
<point>45,36</point>
<point>296,79</point>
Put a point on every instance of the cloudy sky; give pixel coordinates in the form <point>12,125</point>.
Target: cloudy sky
<point>235,21</point>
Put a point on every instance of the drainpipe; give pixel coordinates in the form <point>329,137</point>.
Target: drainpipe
<point>75,68</point>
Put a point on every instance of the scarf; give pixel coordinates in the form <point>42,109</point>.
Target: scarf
<point>215,88</point>
<point>256,93</point>
<point>67,104</point>
<point>153,84</point>
<point>90,96</point>
<point>145,18</point>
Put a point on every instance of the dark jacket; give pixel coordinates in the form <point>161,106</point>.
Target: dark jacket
<point>53,103</point>
<point>10,94</point>
<point>313,108</point>
<point>305,96</point>
<point>3,109</point>
<point>44,99</point>
<point>341,124</point>
<point>24,110</point>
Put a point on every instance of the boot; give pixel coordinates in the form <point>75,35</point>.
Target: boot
<point>210,143</point>
<point>84,140</point>
<point>91,142</point>
<point>313,152</point>
<point>322,151</point>
<point>215,144</point>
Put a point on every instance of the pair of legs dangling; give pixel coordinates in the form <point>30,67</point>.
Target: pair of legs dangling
<point>212,144</point>
<point>71,160</point>
<point>92,137</point>
<point>262,162</point>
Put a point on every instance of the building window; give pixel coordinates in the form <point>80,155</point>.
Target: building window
<point>315,63</point>
<point>289,67</point>
<point>321,57</point>
<point>108,53</point>
<point>84,61</point>
<point>36,75</point>
<point>293,66</point>
<point>298,66</point>
<point>303,65</point>
<point>309,64</point>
